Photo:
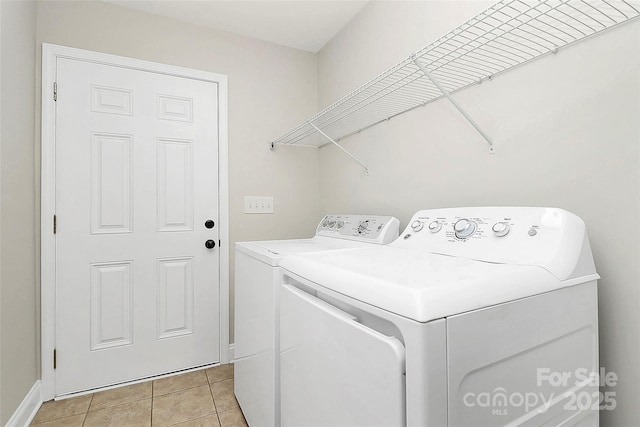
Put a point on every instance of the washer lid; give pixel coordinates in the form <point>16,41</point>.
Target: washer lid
<point>273,251</point>
<point>419,285</point>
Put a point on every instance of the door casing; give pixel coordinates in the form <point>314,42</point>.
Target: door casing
<point>50,54</point>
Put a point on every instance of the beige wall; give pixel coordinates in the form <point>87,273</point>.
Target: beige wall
<point>18,367</point>
<point>271,88</point>
<point>566,130</point>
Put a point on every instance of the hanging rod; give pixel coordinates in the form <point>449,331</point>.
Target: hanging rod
<point>505,36</point>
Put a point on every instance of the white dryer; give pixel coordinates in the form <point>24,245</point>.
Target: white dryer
<point>473,317</point>
<point>257,283</point>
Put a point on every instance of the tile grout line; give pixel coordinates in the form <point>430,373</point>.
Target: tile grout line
<point>86,414</point>
<point>214,404</point>
<point>215,407</point>
<point>213,399</point>
<point>153,398</point>
<point>179,390</point>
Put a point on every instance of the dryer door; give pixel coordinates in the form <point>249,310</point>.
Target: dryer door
<point>334,370</point>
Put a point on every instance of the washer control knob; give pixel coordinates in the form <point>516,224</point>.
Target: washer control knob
<point>325,222</point>
<point>364,225</point>
<point>532,232</point>
<point>332,223</point>
<point>417,225</point>
<point>340,223</point>
<point>500,229</point>
<point>435,226</point>
<point>464,228</point>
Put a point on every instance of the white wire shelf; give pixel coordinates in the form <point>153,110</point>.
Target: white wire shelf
<point>508,34</point>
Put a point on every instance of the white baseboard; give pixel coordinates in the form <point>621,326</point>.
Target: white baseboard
<point>27,410</point>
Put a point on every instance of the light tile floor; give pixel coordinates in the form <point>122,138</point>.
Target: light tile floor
<point>197,399</point>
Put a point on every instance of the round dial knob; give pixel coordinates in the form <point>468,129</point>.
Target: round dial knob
<point>500,229</point>
<point>364,225</point>
<point>332,223</point>
<point>325,222</point>
<point>417,225</point>
<point>464,228</point>
<point>340,223</point>
<point>435,226</point>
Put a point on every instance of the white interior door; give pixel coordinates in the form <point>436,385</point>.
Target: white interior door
<point>137,291</point>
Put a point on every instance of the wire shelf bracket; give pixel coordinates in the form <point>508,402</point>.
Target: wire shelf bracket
<point>272,146</point>
<point>507,35</point>
<point>344,150</point>
<point>447,95</point>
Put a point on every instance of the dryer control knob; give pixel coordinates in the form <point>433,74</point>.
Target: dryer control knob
<point>464,228</point>
<point>417,225</point>
<point>435,226</point>
<point>340,223</point>
<point>332,223</point>
<point>500,229</point>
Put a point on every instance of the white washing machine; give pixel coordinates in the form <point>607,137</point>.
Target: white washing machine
<point>257,283</point>
<point>473,317</point>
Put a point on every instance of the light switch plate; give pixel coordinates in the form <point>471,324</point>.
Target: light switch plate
<point>258,204</point>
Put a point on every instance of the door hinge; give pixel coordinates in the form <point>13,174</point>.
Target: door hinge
<point>55,359</point>
<point>55,91</point>
<point>55,224</point>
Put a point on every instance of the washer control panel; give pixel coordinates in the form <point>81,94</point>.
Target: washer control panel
<point>461,228</point>
<point>548,237</point>
<point>366,228</point>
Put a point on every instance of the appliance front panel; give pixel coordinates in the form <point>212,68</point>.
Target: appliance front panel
<point>336,371</point>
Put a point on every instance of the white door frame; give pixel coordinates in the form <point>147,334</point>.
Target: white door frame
<point>50,54</point>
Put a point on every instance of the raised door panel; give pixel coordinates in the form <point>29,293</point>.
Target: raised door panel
<point>175,185</point>
<point>111,100</point>
<point>111,305</point>
<point>174,108</point>
<point>111,183</point>
<point>175,297</point>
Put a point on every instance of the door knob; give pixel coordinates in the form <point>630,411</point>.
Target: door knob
<point>210,244</point>
<point>209,223</point>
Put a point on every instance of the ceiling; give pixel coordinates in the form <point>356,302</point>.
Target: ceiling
<point>302,24</point>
